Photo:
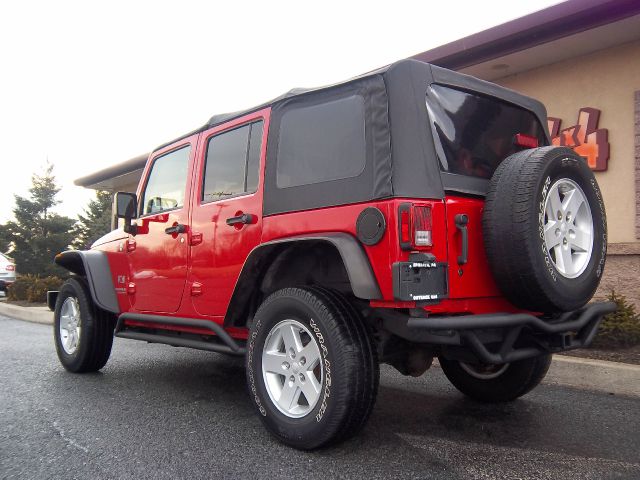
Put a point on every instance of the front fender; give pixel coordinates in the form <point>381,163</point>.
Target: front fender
<point>94,266</point>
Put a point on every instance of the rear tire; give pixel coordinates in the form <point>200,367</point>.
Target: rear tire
<point>496,383</point>
<point>83,333</point>
<point>344,369</point>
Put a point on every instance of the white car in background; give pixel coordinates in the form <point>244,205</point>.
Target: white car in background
<point>7,272</point>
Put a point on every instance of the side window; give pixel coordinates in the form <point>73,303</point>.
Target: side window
<point>319,143</point>
<point>166,183</point>
<point>232,166</point>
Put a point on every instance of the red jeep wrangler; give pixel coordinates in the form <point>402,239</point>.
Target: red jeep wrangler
<point>409,213</point>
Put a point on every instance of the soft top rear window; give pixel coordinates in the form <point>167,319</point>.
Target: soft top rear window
<point>476,132</point>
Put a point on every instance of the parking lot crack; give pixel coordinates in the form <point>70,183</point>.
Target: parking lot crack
<point>70,441</point>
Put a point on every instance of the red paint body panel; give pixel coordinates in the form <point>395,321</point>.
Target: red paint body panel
<point>158,261</point>
<point>217,261</point>
<point>475,280</point>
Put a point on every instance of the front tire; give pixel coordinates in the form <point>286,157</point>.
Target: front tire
<point>83,333</point>
<point>496,383</point>
<point>312,371</point>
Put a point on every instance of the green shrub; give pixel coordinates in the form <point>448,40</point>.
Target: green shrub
<point>18,289</point>
<point>620,329</point>
<point>30,288</point>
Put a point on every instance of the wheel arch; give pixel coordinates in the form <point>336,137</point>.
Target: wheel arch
<point>333,257</point>
<point>93,265</point>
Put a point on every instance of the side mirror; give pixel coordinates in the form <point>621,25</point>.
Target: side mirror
<point>126,206</point>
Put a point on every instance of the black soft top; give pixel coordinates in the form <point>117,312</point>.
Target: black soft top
<point>401,152</point>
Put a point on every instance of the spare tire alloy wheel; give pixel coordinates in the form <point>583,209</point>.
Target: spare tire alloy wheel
<point>312,371</point>
<point>545,230</point>
<point>568,228</point>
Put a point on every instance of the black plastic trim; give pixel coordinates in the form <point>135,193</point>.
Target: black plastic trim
<point>370,226</point>
<point>52,297</point>
<point>356,263</point>
<point>94,265</point>
<point>421,280</point>
<point>231,345</point>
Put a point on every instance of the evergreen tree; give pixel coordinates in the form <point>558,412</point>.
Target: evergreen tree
<point>5,239</point>
<point>95,222</point>
<point>37,234</point>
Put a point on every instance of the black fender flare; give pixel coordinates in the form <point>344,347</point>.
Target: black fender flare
<point>94,266</point>
<point>354,258</point>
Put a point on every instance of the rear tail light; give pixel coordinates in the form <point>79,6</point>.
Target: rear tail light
<point>526,141</point>
<point>405,226</point>
<point>422,226</point>
<point>415,226</point>
<point>10,268</point>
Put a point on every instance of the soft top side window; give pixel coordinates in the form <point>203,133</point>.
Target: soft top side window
<point>166,182</point>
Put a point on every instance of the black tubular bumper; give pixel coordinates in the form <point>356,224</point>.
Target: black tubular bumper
<point>507,337</point>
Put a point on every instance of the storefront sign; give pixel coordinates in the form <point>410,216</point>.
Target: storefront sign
<point>585,138</point>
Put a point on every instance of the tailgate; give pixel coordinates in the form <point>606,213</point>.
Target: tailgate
<point>473,278</point>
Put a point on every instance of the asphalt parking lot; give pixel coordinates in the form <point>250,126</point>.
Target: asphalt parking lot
<point>161,412</point>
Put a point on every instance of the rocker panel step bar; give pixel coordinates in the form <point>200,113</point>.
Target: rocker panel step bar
<point>229,345</point>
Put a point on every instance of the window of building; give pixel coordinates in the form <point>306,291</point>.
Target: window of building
<point>166,183</point>
<point>233,163</point>
<point>323,142</point>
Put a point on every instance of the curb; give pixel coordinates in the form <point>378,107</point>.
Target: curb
<point>594,375</point>
<point>608,377</point>
<point>599,375</point>
<point>29,314</point>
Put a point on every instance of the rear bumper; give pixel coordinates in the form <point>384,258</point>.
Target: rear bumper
<point>4,283</point>
<point>502,338</point>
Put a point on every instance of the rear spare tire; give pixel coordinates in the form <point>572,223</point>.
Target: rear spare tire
<point>545,230</point>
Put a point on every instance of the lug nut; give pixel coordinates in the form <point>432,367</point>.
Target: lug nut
<point>301,377</point>
<point>303,361</point>
<point>285,365</point>
<point>292,353</point>
<point>559,215</point>
<point>292,379</point>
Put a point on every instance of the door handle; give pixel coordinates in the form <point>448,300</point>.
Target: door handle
<point>179,228</point>
<point>245,218</point>
<point>461,220</point>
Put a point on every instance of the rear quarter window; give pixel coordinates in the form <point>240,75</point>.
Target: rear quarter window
<point>323,142</point>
